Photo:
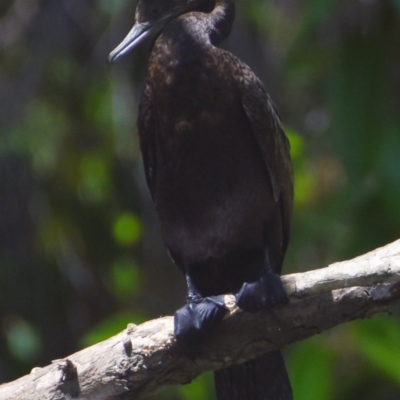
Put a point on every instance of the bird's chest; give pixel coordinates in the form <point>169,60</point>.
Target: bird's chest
<point>183,88</point>
<point>202,134</point>
<point>195,102</point>
<point>207,157</point>
<point>211,178</point>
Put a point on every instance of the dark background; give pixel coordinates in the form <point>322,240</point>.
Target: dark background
<point>80,249</point>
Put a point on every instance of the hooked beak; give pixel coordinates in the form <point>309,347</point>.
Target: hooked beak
<point>138,33</point>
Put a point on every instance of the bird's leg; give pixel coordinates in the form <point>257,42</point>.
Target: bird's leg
<point>265,293</point>
<point>197,319</point>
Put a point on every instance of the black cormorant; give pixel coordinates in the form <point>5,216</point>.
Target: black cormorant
<point>218,168</point>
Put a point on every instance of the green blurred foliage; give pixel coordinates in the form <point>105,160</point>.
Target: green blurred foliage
<point>109,327</point>
<point>80,250</point>
<point>23,340</point>
<point>312,362</point>
<point>127,229</point>
<point>125,277</point>
<point>201,388</point>
<point>377,341</point>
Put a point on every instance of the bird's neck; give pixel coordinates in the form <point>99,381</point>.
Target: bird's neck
<point>211,26</point>
<point>187,43</point>
<point>220,20</point>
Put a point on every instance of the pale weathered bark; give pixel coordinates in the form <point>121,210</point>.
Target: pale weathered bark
<point>143,359</point>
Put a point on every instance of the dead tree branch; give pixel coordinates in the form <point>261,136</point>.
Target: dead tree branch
<point>145,358</point>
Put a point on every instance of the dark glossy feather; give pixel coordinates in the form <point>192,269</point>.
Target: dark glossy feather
<point>147,138</point>
<point>264,378</point>
<point>218,167</point>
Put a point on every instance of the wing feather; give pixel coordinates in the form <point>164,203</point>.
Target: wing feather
<point>271,139</point>
<point>146,130</point>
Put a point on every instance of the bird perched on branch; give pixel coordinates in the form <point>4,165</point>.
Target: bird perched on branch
<point>218,168</point>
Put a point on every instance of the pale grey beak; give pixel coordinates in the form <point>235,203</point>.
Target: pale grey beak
<point>138,33</point>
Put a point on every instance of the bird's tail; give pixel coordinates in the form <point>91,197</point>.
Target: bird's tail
<point>264,378</point>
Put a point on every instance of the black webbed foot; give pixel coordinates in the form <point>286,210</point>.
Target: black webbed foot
<point>195,321</point>
<point>263,294</point>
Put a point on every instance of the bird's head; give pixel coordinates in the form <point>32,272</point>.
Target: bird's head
<point>152,16</point>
